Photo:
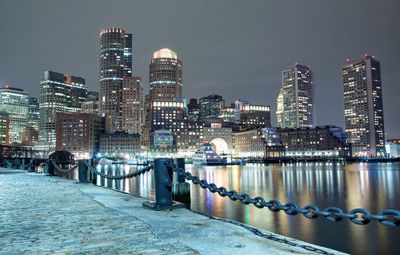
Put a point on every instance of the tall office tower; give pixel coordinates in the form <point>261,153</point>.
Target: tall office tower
<point>363,107</point>
<point>165,75</point>
<point>132,104</point>
<point>279,110</point>
<point>115,63</point>
<point>33,113</point>
<point>59,93</point>
<point>193,110</point>
<point>298,97</point>
<point>15,102</point>
<point>210,107</point>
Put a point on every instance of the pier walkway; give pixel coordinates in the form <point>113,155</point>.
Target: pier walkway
<point>49,215</point>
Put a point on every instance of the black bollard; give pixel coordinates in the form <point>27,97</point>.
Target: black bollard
<point>163,182</point>
<point>50,168</point>
<point>83,176</point>
<point>180,188</point>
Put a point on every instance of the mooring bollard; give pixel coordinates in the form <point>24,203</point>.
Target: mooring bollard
<point>83,170</point>
<point>163,181</point>
<point>180,188</point>
<point>50,167</point>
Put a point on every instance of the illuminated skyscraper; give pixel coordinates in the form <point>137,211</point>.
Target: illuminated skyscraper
<point>115,63</point>
<point>210,107</point>
<point>4,127</point>
<point>298,97</point>
<point>58,94</point>
<point>363,107</point>
<point>15,102</point>
<point>132,104</point>
<point>165,75</point>
<point>279,109</point>
<point>33,113</point>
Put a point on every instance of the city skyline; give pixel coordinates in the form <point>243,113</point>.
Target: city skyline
<point>211,58</point>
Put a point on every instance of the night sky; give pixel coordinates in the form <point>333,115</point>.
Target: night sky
<point>233,48</point>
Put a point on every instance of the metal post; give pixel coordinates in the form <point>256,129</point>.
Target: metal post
<point>180,188</point>
<point>163,182</point>
<point>50,168</point>
<point>82,172</point>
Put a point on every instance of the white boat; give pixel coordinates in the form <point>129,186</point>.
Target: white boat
<point>206,155</point>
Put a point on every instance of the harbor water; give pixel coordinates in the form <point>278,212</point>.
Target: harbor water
<point>373,186</point>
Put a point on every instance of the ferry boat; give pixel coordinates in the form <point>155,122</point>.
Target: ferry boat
<point>206,155</point>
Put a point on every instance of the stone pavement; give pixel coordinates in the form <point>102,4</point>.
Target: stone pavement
<point>49,215</point>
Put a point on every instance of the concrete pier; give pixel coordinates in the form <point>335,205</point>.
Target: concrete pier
<point>49,215</point>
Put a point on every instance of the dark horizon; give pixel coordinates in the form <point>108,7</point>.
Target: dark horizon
<point>237,52</point>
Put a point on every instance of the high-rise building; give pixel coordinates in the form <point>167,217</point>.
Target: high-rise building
<point>115,63</point>
<point>279,110</point>
<point>298,97</point>
<point>15,102</point>
<point>132,104</point>
<point>4,127</point>
<point>227,114</point>
<point>33,113</point>
<point>59,93</point>
<point>91,103</point>
<point>193,110</point>
<point>165,75</point>
<point>249,116</point>
<point>210,107</point>
<point>363,107</point>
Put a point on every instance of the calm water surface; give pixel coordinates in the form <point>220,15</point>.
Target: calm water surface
<point>374,186</point>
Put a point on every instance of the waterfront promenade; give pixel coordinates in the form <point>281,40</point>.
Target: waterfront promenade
<point>49,215</point>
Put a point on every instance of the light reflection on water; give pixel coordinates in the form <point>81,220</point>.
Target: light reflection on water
<point>374,186</point>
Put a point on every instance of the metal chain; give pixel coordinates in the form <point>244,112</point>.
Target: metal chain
<point>272,237</point>
<point>61,169</point>
<point>119,177</point>
<point>359,216</point>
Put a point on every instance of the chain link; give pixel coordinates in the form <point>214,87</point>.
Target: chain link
<point>387,217</point>
<point>118,177</point>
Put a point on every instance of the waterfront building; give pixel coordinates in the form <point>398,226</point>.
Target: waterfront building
<point>120,145</point>
<point>162,143</point>
<point>79,133</point>
<point>132,104</point>
<point>250,143</point>
<point>165,75</point>
<point>91,103</point>
<point>59,93</point>
<point>192,138</point>
<point>193,110</point>
<point>250,116</point>
<point>318,142</point>
<point>363,107</point>
<point>33,113</point>
<point>115,63</point>
<point>393,148</point>
<point>219,136</point>
<point>279,110</point>
<point>4,127</point>
<point>210,107</point>
<point>298,97</point>
<point>15,102</point>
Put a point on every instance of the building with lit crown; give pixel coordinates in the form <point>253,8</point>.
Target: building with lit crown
<point>115,63</point>
<point>298,97</point>
<point>363,107</point>
<point>15,102</point>
<point>165,75</point>
<point>59,93</point>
